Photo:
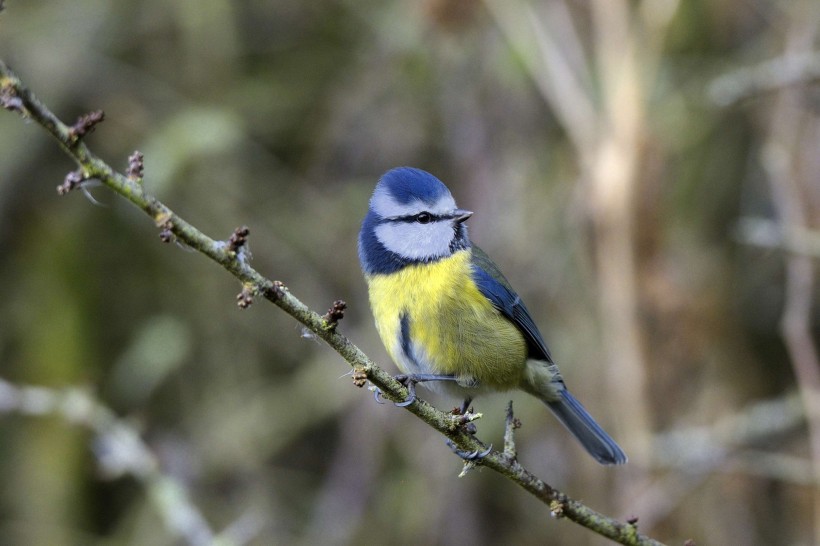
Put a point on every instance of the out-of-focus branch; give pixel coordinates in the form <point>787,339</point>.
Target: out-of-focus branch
<point>790,126</point>
<point>766,77</point>
<point>699,447</point>
<point>560,80</point>
<point>770,234</point>
<point>612,175</point>
<point>796,321</point>
<point>120,451</point>
<point>232,256</point>
<point>700,451</point>
<point>600,98</point>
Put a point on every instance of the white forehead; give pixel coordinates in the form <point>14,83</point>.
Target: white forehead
<point>386,205</point>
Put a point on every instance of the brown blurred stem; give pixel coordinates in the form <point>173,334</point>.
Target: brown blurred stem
<point>790,127</point>
<point>14,96</point>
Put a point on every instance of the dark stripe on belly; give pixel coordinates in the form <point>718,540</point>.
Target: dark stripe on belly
<point>406,343</point>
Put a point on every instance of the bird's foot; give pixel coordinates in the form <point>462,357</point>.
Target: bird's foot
<point>463,409</point>
<point>410,381</point>
<point>469,456</point>
<point>467,416</point>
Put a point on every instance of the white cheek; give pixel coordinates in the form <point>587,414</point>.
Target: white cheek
<point>416,241</point>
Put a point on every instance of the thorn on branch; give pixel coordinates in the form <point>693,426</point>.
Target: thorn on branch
<point>633,521</point>
<point>238,239</point>
<point>334,315</point>
<point>135,166</point>
<point>72,181</point>
<point>85,125</point>
<point>245,298</point>
<point>359,377</point>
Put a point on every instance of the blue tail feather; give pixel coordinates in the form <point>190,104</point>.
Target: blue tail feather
<point>580,423</point>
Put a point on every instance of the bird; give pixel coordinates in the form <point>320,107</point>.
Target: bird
<point>446,314</point>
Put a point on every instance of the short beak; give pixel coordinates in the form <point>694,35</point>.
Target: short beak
<point>460,215</point>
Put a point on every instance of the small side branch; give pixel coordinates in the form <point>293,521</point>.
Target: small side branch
<point>511,424</point>
<point>85,125</point>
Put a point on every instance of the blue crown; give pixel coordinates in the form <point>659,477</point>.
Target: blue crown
<point>407,184</point>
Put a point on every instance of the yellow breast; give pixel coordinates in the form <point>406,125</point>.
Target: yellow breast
<point>450,327</point>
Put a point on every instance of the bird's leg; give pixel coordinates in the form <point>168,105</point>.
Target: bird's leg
<point>410,380</point>
<point>469,427</point>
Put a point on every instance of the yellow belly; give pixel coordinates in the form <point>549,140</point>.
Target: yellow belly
<point>453,329</point>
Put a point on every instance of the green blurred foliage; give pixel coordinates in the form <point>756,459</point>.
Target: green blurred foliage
<point>281,116</point>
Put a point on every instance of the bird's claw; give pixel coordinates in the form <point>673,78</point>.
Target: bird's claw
<point>469,455</point>
<point>410,383</point>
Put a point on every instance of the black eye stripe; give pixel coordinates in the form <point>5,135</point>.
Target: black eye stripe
<point>415,218</point>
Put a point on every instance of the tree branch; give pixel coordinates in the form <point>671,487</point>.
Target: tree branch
<point>232,256</point>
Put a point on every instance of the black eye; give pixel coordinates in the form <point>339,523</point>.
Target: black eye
<point>423,217</point>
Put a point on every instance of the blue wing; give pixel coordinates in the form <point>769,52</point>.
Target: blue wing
<point>497,289</point>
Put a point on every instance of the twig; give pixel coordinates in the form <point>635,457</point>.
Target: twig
<point>16,97</point>
<point>510,426</point>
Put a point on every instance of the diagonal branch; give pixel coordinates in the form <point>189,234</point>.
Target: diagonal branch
<point>231,255</point>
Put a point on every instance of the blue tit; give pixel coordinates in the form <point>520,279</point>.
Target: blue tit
<point>447,315</point>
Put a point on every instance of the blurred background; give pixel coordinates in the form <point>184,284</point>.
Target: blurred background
<point>645,173</point>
